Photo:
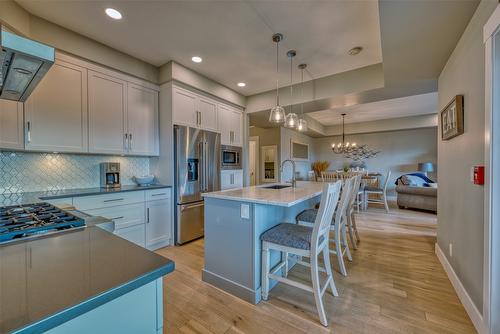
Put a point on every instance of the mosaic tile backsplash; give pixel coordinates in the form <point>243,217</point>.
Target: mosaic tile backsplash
<point>26,172</point>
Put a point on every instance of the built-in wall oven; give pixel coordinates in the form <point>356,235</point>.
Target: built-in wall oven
<point>230,157</point>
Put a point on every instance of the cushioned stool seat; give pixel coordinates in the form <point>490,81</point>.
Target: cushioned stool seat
<point>289,235</point>
<point>368,188</point>
<point>308,216</point>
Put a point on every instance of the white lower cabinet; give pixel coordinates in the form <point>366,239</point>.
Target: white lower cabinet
<point>157,223</point>
<point>141,217</point>
<point>135,234</point>
<point>231,178</point>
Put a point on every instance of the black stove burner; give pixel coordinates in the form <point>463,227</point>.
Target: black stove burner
<point>25,220</point>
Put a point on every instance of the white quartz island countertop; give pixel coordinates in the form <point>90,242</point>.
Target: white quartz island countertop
<point>261,194</point>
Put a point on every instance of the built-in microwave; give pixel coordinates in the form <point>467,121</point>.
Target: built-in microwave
<point>230,157</point>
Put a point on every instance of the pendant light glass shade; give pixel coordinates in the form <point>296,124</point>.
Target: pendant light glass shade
<point>302,125</point>
<point>291,120</point>
<point>277,114</point>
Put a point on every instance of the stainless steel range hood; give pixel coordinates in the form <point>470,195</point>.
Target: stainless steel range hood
<point>23,63</point>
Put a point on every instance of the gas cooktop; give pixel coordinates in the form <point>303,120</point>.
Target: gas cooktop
<point>30,220</point>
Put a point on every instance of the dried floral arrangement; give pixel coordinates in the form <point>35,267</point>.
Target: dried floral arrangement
<point>320,166</point>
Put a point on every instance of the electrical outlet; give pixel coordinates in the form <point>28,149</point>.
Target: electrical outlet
<point>245,211</point>
<point>451,250</point>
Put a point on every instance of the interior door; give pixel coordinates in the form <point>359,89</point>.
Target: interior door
<point>142,116</point>
<point>252,161</point>
<point>107,114</point>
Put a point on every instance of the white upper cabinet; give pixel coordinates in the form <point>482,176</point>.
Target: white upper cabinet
<point>142,120</point>
<point>56,111</point>
<point>184,108</point>
<point>107,114</point>
<point>194,110</point>
<point>208,114</point>
<point>11,125</point>
<point>230,125</point>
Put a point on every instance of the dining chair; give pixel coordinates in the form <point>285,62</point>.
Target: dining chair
<point>338,225</point>
<point>369,190</point>
<point>330,176</point>
<point>303,241</point>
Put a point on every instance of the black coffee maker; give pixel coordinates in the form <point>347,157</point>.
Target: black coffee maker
<point>110,175</point>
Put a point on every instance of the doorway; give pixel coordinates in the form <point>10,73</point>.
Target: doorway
<point>253,160</point>
<point>491,300</point>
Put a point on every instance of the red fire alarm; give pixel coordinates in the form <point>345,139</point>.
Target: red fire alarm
<point>479,175</point>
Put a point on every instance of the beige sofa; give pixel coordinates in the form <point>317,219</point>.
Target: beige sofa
<point>424,198</point>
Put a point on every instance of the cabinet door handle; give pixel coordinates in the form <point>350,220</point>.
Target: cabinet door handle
<point>200,117</point>
<point>116,218</point>
<point>113,200</point>
<point>147,215</point>
<point>130,142</point>
<point>28,135</point>
<point>125,144</point>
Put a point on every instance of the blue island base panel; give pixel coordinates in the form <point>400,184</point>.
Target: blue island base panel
<point>138,312</point>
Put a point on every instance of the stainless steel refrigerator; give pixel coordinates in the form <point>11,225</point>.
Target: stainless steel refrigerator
<point>197,170</point>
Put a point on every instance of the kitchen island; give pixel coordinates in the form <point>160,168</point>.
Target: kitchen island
<point>234,221</point>
<point>81,281</point>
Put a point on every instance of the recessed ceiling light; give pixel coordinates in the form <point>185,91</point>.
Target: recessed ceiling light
<point>196,59</point>
<point>354,51</point>
<point>241,84</point>
<point>113,13</point>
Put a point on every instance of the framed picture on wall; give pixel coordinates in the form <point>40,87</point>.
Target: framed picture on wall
<point>452,118</point>
<point>299,151</point>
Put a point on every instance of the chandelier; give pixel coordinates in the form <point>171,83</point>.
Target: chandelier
<point>352,150</point>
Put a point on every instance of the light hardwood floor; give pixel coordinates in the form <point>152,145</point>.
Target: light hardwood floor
<point>395,285</point>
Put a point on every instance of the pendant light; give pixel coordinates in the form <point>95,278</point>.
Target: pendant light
<point>277,114</point>
<point>302,125</point>
<point>291,119</point>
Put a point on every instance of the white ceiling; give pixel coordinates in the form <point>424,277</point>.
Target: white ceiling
<point>232,37</point>
<point>401,107</point>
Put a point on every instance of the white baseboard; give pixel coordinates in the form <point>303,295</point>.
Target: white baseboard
<point>470,307</point>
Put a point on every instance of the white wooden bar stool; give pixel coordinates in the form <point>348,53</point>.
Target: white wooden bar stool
<point>304,242</point>
<point>338,225</point>
<point>351,220</point>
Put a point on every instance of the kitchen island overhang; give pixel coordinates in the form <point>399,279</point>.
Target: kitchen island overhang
<point>234,221</point>
<point>82,281</point>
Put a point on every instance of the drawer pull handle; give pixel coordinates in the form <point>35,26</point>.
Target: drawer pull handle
<point>116,218</point>
<point>113,200</point>
<point>162,194</point>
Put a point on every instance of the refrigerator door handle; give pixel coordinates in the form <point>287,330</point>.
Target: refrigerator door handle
<point>201,147</point>
<point>205,158</point>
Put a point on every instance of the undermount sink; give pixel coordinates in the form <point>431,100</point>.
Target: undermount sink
<point>278,186</point>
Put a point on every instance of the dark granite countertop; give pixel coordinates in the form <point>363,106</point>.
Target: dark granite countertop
<point>32,197</point>
<point>52,279</point>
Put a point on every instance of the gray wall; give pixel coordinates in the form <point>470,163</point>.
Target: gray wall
<point>301,166</point>
<point>460,203</point>
<point>401,151</point>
